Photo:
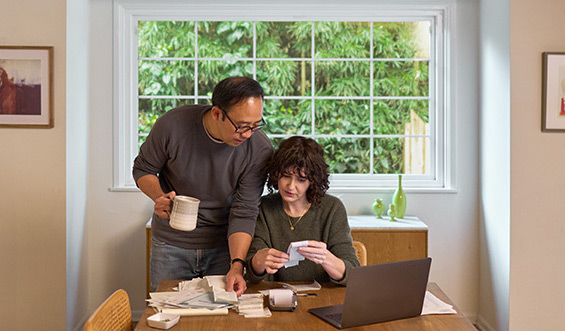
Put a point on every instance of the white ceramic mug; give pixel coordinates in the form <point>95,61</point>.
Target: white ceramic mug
<point>185,213</point>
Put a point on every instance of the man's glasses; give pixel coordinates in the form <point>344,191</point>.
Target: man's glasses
<point>245,128</point>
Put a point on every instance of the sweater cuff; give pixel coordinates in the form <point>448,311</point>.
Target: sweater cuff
<point>343,281</point>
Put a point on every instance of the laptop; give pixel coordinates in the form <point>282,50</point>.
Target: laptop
<point>379,293</point>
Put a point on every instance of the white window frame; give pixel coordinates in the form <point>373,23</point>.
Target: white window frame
<point>128,12</point>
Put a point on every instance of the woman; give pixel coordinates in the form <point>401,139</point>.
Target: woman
<point>300,210</point>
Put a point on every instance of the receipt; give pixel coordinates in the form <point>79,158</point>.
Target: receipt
<point>294,256</point>
<point>315,286</point>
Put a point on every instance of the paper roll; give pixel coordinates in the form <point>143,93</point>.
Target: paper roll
<point>281,297</point>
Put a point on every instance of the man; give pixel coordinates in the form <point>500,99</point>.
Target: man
<point>216,154</point>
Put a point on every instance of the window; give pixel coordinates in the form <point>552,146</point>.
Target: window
<point>368,85</point>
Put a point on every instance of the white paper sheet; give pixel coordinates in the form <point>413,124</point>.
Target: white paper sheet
<point>315,286</point>
<point>433,305</point>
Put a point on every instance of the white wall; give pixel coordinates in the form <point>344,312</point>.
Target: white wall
<point>537,243</point>
<point>32,185</point>
<point>77,162</point>
<point>116,219</point>
<point>495,165</point>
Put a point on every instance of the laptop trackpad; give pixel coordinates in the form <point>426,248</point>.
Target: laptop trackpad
<point>330,314</point>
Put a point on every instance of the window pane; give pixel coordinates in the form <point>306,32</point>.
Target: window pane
<point>417,156</point>
<point>284,39</point>
<point>346,155</point>
<point>211,73</point>
<point>349,78</point>
<point>225,39</point>
<point>166,77</point>
<point>276,142</point>
<point>151,109</point>
<point>402,155</point>
<point>165,39</point>
<point>401,40</point>
<point>393,116</point>
<point>342,39</point>
<point>401,78</point>
<point>342,117</point>
<point>292,117</point>
<point>285,78</point>
<point>388,158</point>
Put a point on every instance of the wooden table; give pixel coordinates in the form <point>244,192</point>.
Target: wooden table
<point>301,319</point>
<point>386,241</point>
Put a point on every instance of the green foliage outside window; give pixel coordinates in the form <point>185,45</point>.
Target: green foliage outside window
<point>294,74</point>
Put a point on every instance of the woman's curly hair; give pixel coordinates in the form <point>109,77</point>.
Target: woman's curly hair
<point>298,153</point>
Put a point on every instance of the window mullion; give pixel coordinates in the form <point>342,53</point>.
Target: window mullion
<point>371,104</point>
<point>313,79</point>
<point>196,62</point>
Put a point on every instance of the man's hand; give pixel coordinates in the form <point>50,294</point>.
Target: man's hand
<point>163,204</point>
<point>149,184</point>
<point>234,279</point>
<point>239,245</point>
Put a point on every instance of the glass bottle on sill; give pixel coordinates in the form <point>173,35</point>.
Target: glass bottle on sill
<point>399,199</point>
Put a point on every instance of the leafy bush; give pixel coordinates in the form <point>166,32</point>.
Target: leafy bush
<point>332,102</point>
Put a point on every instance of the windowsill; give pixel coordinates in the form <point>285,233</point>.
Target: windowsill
<point>415,190</point>
<point>124,189</point>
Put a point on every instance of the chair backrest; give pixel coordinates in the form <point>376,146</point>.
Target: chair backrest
<point>361,252</point>
<point>114,314</point>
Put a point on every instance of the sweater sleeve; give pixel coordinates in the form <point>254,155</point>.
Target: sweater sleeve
<point>340,242</point>
<point>152,153</point>
<point>244,209</point>
<point>262,239</point>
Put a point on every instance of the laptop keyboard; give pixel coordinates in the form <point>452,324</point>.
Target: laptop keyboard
<point>335,317</point>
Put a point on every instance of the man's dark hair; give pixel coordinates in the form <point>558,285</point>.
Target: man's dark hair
<point>232,90</point>
<point>297,154</point>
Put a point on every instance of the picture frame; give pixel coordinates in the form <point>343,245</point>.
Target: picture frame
<point>553,92</point>
<point>26,86</point>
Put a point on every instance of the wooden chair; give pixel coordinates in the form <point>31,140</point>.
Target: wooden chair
<point>114,314</point>
<point>361,252</point>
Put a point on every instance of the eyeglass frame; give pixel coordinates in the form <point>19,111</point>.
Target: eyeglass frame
<point>246,128</point>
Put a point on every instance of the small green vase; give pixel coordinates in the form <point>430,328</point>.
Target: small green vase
<point>378,207</point>
<point>392,212</point>
<point>399,199</point>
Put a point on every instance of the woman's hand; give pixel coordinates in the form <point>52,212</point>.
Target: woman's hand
<point>269,260</point>
<point>318,253</point>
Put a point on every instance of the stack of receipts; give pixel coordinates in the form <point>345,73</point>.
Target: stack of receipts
<point>433,305</point>
<point>207,296</point>
<point>251,305</point>
<point>199,296</point>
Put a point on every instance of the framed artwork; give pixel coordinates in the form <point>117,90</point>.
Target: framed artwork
<point>553,92</point>
<point>26,86</point>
